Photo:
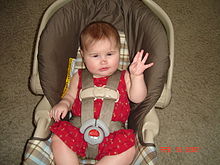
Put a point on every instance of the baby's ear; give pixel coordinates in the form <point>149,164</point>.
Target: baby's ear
<point>81,52</point>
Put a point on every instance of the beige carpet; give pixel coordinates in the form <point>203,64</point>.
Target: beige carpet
<point>191,120</point>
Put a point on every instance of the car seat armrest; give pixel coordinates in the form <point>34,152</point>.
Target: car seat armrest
<point>150,126</point>
<point>42,120</point>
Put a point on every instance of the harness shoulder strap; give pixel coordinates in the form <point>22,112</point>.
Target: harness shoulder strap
<point>87,104</point>
<point>87,111</point>
<point>108,104</point>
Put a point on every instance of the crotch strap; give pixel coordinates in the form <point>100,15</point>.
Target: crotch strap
<point>95,130</point>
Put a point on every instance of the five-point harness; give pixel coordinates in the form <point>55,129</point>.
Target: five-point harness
<point>95,130</point>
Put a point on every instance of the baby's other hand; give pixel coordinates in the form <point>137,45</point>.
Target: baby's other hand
<point>138,65</point>
<point>58,112</point>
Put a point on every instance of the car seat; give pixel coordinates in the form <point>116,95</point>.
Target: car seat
<point>143,24</point>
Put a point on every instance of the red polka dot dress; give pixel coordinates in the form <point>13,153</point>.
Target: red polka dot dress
<point>117,142</point>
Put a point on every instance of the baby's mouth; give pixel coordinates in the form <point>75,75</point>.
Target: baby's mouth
<point>104,69</point>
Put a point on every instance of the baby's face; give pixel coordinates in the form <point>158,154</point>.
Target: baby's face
<point>102,58</point>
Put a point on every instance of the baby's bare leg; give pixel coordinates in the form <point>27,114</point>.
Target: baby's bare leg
<point>63,155</point>
<point>124,158</point>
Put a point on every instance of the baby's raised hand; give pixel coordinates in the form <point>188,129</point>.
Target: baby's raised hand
<point>138,65</point>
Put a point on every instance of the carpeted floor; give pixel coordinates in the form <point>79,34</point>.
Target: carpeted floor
<point>191,120</point>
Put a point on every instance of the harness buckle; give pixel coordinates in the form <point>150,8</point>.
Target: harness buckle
<point>94,131</point>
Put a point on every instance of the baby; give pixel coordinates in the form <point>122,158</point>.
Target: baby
<point>100,49</point>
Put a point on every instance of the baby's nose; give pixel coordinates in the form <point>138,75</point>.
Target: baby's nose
<point>103,60</point>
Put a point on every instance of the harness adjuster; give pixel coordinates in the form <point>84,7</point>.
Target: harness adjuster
<point>99,93</point>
